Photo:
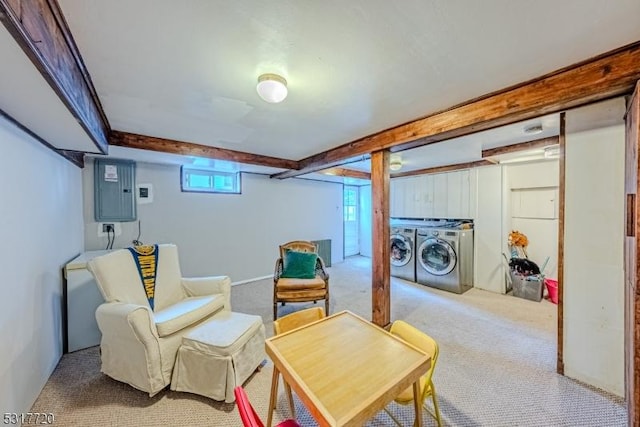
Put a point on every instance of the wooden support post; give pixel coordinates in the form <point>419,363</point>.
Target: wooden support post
<point>381,264</point>
<point>632,259</point>
<point>561,190</point>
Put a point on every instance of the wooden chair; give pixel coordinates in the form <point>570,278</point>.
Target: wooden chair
<point>248,414</point>
<point>299,290</point>
<point>424,342</point>
<point>290,322</point>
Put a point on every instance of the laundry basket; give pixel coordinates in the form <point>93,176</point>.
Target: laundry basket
<point>527,287</point>
<point>552,289</point>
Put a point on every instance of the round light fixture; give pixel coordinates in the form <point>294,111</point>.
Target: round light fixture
<point>272,88</point>
<point>533,129</point>
<point>395,163</point>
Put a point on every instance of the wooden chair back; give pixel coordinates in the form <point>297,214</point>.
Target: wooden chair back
<point>298,246</point>
<point>295,320</point>
<point>419,339</point>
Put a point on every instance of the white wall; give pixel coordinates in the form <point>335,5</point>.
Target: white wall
<point>488,241</point>
<point>232,234</point>
<point>541,225</point>
<point>366,216</point>
<point>494,186</point>
<point>41,227</point>
<point>593,263</point>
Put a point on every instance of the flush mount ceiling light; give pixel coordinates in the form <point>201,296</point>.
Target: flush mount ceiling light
<point>533,129</point>
<point>395,163</point>
<point>272,88</point>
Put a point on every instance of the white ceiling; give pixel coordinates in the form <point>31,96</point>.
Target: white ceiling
<point>188,71</point>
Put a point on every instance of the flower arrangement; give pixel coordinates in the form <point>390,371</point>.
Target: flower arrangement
<point>518,243</point>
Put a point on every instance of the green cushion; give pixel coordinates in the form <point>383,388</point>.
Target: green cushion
<point>299,265</point>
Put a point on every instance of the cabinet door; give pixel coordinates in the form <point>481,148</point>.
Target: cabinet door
<point>454,195</point>
<point>393,197</point>
<point>473,193</point>
<point>534,203</point>
<point>427,207</point>
<point>440,195</point>
<point>411,201</point>
<point>465,194</point>
<point>458,195</point>
<point>420,191</point>
<point>398,203</point>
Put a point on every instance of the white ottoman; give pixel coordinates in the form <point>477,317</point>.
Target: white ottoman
<point>219,355</point>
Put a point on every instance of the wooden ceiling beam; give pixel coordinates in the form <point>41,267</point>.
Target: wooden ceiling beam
<point>529,145</point>
<point>349,173</point>
<point>440,169</point>
<point>605,76</point>
<point>75,157</point>
<point>39,28</point>
<point>143,142</point>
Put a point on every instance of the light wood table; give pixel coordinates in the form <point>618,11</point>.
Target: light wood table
<point>345,369</point>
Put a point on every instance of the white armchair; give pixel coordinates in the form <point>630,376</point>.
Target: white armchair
<point>139,345</point>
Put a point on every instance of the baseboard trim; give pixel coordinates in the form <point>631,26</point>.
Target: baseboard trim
<point>255,279</point>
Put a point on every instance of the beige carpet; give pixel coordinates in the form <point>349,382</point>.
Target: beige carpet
<point>496,366</point>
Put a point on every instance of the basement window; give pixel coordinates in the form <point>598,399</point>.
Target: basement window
<point>203,180</point>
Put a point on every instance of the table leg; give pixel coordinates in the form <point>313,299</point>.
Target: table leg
<point>416,404</point>
<point>274,395</point>
<point>292,406</point>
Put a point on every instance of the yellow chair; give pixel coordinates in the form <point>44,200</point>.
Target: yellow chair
<point>293,321</point>
<point>427,344</point>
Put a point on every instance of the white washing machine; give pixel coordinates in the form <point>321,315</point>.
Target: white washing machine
<point>445,259</point>
<point>402,253</point>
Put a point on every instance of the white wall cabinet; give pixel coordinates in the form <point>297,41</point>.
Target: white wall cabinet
<point>443,195</point>
<point>440,195</point>
<point>459,194</point>
<point>83,298</point>
<point>396,194</point>
<point>413,196</point>
<point>539,203</point>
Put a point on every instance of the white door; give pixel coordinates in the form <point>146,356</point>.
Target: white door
<point>365,218</point>
<point>351,228</point>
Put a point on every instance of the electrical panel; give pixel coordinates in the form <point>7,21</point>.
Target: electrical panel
<point>114,190</point>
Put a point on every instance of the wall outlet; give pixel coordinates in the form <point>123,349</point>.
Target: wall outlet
<point>108,227</point>
<point>102,228</point>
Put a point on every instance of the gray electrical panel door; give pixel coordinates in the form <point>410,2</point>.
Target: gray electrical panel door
<point>114,190</point>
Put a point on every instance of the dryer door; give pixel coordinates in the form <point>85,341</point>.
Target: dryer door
<point>401,250</point>
<point>437,256</point>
